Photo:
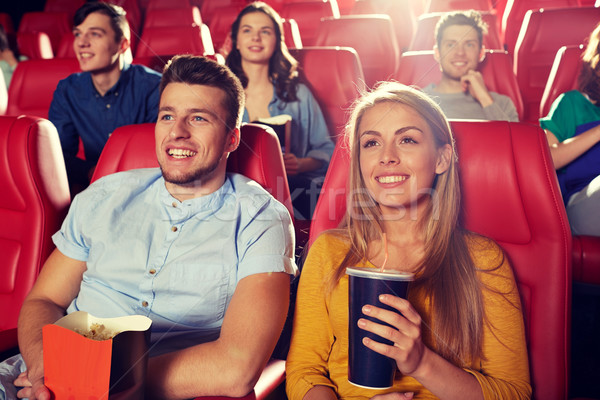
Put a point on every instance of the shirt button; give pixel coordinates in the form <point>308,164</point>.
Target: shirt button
<point>152,271</point>
<point>174,229</point>
<point>116,93</point>
<point>174,205</point>
<point>144,303</point>
<point>108,106</point>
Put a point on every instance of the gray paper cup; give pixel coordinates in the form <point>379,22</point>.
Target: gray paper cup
<point>367,368</point>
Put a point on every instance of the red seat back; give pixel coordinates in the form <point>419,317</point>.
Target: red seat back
<point>258,157</point>
<point>68,6</point>
<point>158,17</point>
<point>308,15</point>
<point>401,12</point>
<point>220,23</point>
<point>166,41</point>
<point>34,45</point>
<point>33,84</point>
<point>420,68</point>
<point>563,75</point>
<point>538,42</point>
<point>334,87</point>
<point>34,201</point>
<point>510,194</point>
<point>373,38</point>
<point>514,13</point>
<point>291,34</point>
<point>424,38</point>
<point>54,23</point>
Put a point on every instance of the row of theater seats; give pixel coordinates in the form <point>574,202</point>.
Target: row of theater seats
<point>374,37</point>
<point>528,219</point>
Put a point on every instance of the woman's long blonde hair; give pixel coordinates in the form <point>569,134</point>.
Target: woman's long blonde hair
<point>446,273</point>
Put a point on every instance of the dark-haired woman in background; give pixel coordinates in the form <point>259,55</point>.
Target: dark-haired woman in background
<point>269,74</point>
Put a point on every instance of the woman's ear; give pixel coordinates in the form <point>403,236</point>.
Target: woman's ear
<point>444,159</point>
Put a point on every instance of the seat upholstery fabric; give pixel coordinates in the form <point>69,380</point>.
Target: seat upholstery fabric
<point>334,87</point>
<point>33,84</point>
<point>538,42</point>
<point>34,201</point>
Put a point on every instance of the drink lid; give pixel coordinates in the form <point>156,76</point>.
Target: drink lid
<point>374,273</point>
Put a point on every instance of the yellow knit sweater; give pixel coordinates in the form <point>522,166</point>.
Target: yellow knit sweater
<point>319,349</point>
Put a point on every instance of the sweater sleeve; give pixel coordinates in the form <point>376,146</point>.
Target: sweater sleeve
<point>312,335</point>
<point>502,109</point>
<point>503,373</point>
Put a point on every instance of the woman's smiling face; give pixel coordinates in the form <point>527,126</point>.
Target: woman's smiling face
<point>399,159</point>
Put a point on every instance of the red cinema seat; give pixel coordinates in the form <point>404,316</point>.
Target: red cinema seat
<point>400,11</point>
<point>6,22</point>
<point>208,8</point>
<point>55,24</point>
<point>68,6</point>
<point>335,87</point>
<point>514,13</point>
<point>424,38</point>
<point>510,194</point>
<point>308,15</point>
<point>33,84</point>
<point>454,5</point>
<point>538,42</point>
<point>220,24</point>
<point>291,34</point>
<point>35,198</point>
<point>563,75</point>
<point>420,68</point>
<point>34,45</point>
<point>167,41</point>
<point>373,38</point>
<point>160,4</point>
<point>157,17</point>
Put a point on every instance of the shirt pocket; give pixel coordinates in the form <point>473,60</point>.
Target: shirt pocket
<point>197,294</point>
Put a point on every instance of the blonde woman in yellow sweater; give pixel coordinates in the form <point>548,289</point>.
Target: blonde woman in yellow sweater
<point>460,334</point>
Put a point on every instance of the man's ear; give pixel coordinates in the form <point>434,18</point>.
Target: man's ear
<point>482,54</point>
<point>436,53</point>
<point>233,140</point>
<point>444,159</point>
<point>124,45</point>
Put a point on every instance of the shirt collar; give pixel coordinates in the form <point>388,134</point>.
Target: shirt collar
<point>201,206</point>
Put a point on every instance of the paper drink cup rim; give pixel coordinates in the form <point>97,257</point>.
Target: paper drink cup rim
<point>374,273</point>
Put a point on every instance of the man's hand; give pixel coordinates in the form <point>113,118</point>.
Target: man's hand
<point>292,164</point>
<point>34,391</point>
<point>472,82</point>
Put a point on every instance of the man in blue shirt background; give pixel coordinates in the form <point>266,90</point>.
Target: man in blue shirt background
<point>207,255</point>
<point>109,93</point>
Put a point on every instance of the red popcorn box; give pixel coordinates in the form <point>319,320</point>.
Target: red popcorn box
<point>96,358</point>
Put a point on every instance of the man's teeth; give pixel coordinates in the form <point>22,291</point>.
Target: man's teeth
<point>391,179</point>
<point>86,55</point>
<point>181,153</point>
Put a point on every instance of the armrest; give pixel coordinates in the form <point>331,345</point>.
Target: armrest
<point>586,259</point>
